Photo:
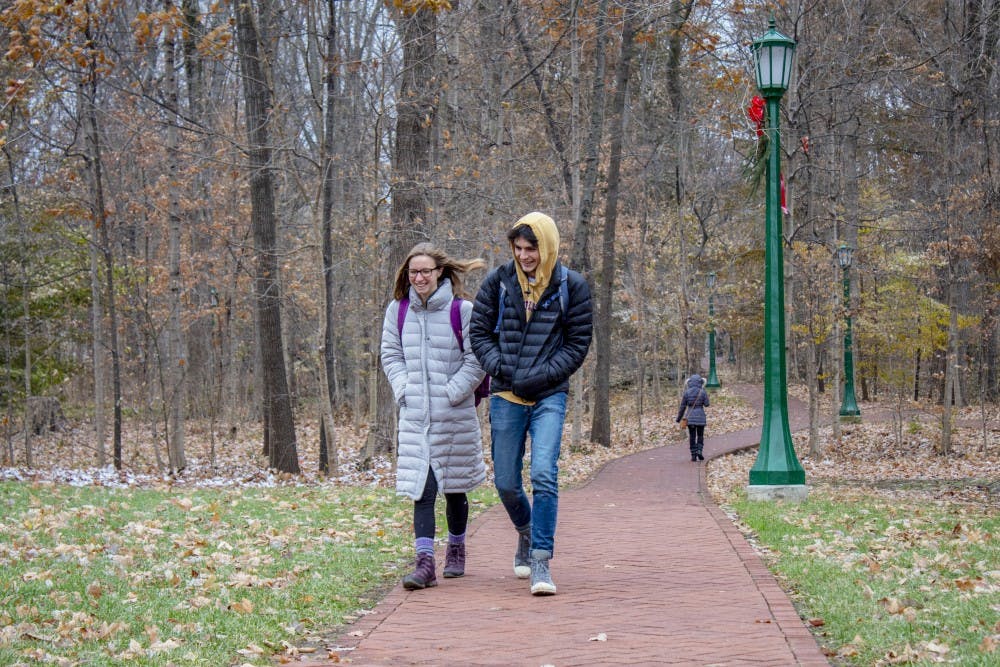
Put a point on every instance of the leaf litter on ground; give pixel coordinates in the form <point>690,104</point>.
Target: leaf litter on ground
<point>905,531</point>
<point>866,462</point>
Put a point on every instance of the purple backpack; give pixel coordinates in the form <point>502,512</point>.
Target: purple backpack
<point>483,390</point>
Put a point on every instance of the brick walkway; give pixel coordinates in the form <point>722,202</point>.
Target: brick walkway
<point>649,571</point>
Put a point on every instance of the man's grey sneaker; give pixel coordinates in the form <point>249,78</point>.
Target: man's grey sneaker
<point>522,557</point>
<point>541,578</point>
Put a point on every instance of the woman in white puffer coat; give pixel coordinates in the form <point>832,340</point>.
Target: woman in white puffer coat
<point>433,376</point>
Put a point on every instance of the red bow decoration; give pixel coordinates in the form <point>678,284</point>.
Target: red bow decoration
<point>781,177</point>
<point>755,169</point>
<point>756,113</point>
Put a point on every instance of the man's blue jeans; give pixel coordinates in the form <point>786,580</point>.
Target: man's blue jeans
<point>510,424</point>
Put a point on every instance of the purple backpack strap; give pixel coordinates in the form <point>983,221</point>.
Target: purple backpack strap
<point>456,322</point>
<point>483,390</point>
<point>456,318</point>
<point>404,305</point>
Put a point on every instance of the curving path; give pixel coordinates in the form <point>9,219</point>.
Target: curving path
<point>650,572</point>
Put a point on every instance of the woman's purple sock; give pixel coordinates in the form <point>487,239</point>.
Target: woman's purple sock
<point>425,545</point>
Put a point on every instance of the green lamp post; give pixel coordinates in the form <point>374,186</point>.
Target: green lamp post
<point>776,473</point>
<point>849,405</point>
<point>713,379</point>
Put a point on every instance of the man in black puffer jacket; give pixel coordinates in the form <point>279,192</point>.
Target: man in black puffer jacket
<point>531,329</point>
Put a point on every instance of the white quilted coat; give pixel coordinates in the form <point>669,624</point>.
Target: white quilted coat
<point>433,383</point>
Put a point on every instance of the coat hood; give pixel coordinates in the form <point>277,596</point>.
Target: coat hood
<point>440,299</point>
<point>694,381</point>
<point>547,234</point>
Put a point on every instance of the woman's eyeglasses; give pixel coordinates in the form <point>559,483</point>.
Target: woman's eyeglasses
<point>426,273</point>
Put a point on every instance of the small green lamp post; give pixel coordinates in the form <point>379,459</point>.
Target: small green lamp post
<point>849,405</point>
<point>713,379</point>
<point>777,473</point>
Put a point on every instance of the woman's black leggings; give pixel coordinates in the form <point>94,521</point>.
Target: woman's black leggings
<point>456,510</point>
<point>696,437</point>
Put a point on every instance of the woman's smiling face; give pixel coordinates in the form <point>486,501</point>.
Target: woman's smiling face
<point>423,274</point>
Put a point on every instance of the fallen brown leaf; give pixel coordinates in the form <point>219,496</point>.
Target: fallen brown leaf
<point>243,606</point>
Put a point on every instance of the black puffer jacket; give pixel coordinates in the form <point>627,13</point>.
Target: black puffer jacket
<point>533,358</point>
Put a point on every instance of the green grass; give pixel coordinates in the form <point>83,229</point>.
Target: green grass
<point>103,576</point>
<point>892,582</point>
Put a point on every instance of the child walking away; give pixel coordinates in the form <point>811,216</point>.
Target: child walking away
<point>693,402</point>
<point>434,377</point>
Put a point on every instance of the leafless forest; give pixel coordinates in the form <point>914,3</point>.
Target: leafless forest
<point>202,203</point>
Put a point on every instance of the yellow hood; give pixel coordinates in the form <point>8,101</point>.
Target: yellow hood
<point>547,234</point>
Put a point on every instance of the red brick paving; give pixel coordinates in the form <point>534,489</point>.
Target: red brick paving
<point>649,570</point>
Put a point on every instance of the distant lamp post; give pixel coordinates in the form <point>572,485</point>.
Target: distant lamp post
<point>732,351</point>
<point>713,379</point>
<point>777,473</point>
<point>849,406</point>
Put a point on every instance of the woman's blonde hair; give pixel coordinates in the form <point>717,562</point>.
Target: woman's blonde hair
<point>454,269</point>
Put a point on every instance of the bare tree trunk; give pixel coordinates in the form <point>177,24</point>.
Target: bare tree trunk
<point>812,376</point>
<point>577,382</point>
<point>95,170</point>
<point>951,371</point>
<point>97,346</point>
<point>683,305</point>
<point>109,285</point>
<point>176,357</point>
<point>838,389</point>
<point>289,342</point>
<point>327,362</point>
<point>26,317</point>
<point>375,380</point>
<point>203,384</point>
<point>649,357</point>
<point>279,421</point>
<point>601,425</point>
<point>25,314</point>
<point>96,314</point>
<point>581,191</point>
<point>415,122</point>
<point>680,10</point>
<point>849,231</point>
<point>8,452</point>
<point>228,362</point>
<point>359,387</point>
<point>580,258</point>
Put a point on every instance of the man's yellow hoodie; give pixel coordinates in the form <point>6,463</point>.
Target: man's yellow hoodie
<point>547,234</point>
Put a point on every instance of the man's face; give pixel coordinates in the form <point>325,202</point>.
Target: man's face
<point>527,256</point>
